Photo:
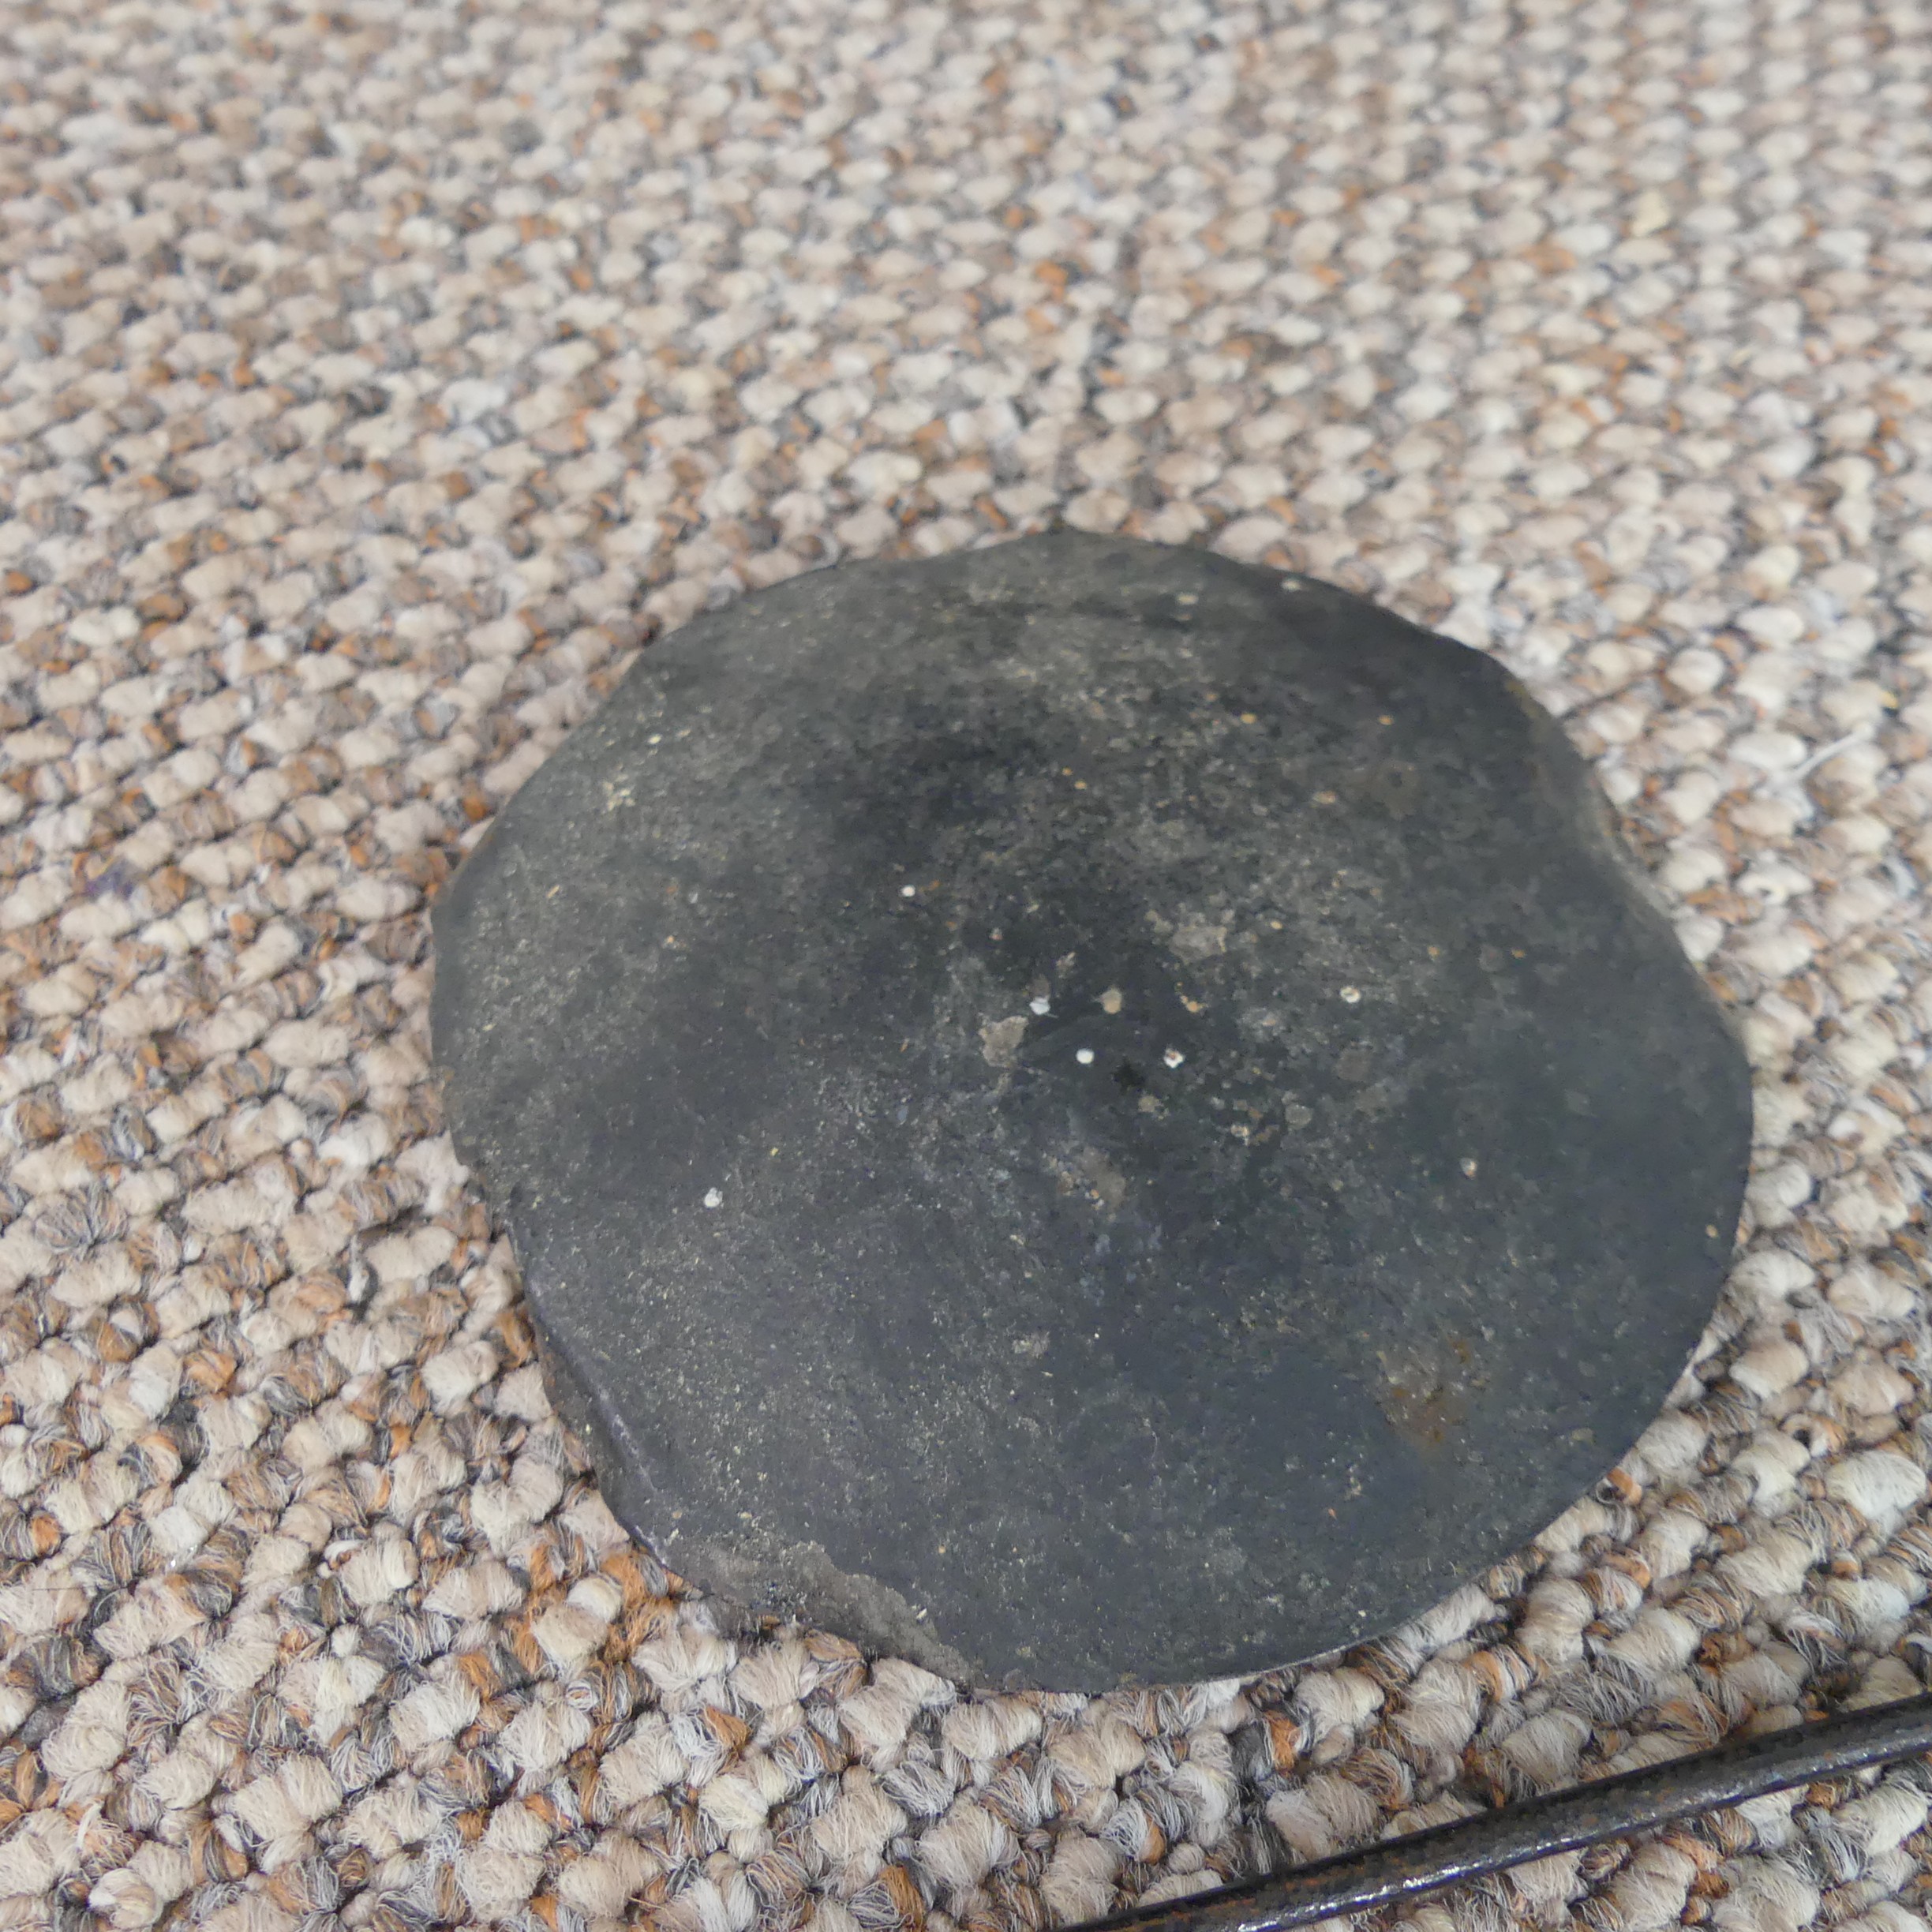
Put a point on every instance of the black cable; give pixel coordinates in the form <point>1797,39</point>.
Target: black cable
<point>1614,1807</point>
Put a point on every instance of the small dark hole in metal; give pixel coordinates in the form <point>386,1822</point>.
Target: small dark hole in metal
<point>1129,1077</point>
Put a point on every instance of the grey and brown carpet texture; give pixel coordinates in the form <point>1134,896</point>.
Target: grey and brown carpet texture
<point>377,378</point>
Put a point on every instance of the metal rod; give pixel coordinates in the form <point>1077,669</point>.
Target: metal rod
<point>1614,1807</point>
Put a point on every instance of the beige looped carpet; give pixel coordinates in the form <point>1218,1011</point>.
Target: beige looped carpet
<point>376,381</point>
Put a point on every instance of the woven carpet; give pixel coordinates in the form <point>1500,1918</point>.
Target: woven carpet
<point>376,381</point>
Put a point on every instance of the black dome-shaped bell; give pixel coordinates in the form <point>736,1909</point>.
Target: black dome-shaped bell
<point>1082,1111</point>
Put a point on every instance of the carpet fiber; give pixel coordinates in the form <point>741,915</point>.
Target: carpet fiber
<point>376,381</point>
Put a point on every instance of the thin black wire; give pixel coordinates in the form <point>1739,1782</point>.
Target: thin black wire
<point>1616,1807</point>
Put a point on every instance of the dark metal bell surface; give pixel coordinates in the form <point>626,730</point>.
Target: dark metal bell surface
<point>1084,1112</point>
